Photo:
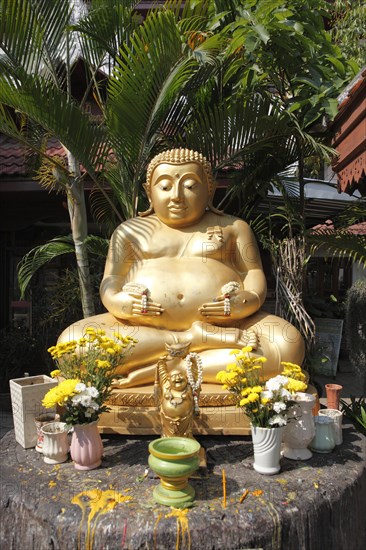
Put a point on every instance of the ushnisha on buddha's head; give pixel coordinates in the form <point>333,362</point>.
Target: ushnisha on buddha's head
<point>180,187</point>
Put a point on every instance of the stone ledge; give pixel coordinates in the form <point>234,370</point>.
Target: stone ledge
<point>309,505</point>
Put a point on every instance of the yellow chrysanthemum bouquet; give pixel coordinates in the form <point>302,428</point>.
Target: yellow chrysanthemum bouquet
<point>87,367</point>
<point>265,403</point>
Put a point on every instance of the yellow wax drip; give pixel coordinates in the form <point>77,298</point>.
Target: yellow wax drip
<point>95,503</point>
<point>182,526</point>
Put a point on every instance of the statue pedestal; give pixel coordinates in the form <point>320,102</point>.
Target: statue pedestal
<point>133,411</point>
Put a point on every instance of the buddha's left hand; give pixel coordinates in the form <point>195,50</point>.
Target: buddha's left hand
<point>228,304</point>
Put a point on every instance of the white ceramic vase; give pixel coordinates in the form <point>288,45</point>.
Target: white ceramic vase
<point>337,417</point>
<point>267,449</point>
<point>55,443</point>
<point>300,428</point>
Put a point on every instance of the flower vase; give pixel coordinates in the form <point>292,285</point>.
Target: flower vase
<point>300,428</point>
<point>86,446</point>
<point>40,421</point>
<point>323,441</point>
<point>55,446</point>
<point>333,392</point>
<point>267,449</point>
<point>174,459</point>
<point>337,417</point>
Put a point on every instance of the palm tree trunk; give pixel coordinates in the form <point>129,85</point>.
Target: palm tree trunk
<point>79,230</point>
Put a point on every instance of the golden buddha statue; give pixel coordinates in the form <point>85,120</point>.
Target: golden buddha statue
<point>185,273</point>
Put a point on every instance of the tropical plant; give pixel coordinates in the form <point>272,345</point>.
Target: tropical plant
<point>348,28</point>
<point>356,328</point>
<point>202,75</point>
<point>38,52</point>
<point>356,411</point>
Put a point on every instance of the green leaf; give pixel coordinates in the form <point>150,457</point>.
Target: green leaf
<point>262,32</point>
<point>39,256</point>
<point>337,64</point>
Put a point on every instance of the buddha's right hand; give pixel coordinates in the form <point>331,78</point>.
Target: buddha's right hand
<point>140,300</point>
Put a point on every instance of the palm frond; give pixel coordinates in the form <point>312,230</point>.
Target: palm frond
<point>105,29</point>
<point>149,87</point>
<point>49,106</point>
<point>98,246</point>
<point>341,243</point>
<point>39,256</point>
<point>33,35</point>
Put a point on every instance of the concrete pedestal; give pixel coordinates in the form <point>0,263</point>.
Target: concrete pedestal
<point>312,505</point>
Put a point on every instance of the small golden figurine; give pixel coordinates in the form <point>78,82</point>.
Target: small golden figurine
<point>177,388</point>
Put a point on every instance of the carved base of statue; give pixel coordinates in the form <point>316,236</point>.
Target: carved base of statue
<point>133,411</point>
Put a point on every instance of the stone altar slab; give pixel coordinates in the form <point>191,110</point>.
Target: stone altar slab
<point>309,505</point>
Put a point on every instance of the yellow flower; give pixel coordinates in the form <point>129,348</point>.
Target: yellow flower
<point>60,394</point>
<point>245,401</point>
<point>55,373</point>
<point>265,400</point>
<point>294,386</point>
<point>221,376</point>
<point>234,352</point>
<point>231,366</point>
<point>102,364</point>
<point>252,397</point>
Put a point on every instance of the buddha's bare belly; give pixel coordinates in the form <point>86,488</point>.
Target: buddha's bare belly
<point>181,286</point>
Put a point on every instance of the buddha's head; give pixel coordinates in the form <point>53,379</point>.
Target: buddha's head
<point>178,380</point>
<point>180,187</point>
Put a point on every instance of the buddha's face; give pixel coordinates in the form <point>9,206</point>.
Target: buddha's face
<point>178,380</point>
<point>179,193</point>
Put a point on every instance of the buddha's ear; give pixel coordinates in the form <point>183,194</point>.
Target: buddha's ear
<point>213,189</point>
<point>150,210</point>
<point>147,190</point>
<point>210,199</point>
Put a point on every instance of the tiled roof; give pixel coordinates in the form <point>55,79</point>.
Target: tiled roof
<point>356,229</point>
<point>14,157</point>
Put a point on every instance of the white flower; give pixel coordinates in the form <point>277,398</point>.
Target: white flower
<point>276,383</point>
<point>85,400</point>
<point>285,394</point>
<point>92,391</point>
<point>80,387</point>
<point>279,406</point>
<point>76,399</point>
<point>278,419</point>
<point>88,413</point>
<point>93,405</point>
<point>268,394</point>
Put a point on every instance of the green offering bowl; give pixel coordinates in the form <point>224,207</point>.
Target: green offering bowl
<point>174,459</point>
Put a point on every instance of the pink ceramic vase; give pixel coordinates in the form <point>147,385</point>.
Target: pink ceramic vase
<point>86,446</point>
<point>333,395</point>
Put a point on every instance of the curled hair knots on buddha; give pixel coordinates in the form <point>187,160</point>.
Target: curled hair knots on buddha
<point>181,156</point>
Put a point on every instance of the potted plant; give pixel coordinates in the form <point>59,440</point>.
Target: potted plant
<point>86,368</point>
<point>265,403</point>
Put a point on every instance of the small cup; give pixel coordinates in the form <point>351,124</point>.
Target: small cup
<point>55,443</point>
<point>323,441</point>
<point>40,421</point>
<point>337,417</point>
